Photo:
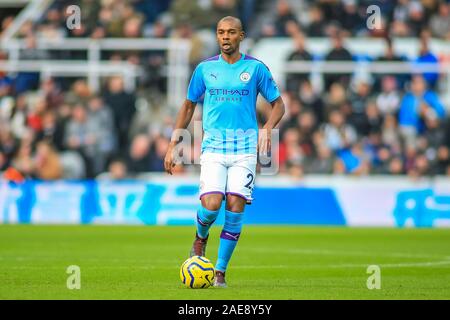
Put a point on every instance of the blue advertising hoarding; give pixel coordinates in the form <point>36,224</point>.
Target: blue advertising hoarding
<point>169,203</point>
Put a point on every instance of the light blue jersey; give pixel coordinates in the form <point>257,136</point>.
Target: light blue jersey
<point>229,107</point>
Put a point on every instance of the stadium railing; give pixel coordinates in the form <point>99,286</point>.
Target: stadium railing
<point>177,69</point>
<point>369,68</point>
<point>275,51</point>
<point>68,68</point>
<point>32,12</point>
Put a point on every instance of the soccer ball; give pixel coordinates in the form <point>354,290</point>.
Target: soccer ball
<point>197,273</point>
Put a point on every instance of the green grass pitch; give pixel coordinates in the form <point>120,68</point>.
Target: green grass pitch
<point>270,262</point>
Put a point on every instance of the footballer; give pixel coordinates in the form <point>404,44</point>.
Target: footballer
<point>229,84</point>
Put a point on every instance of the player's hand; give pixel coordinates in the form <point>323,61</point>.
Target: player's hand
<point>264,141</point>
<point>168,160</point>
<point>423,109</point>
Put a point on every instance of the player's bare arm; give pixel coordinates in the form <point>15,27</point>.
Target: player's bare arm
<point>264,141</point>
<point>184,117</point>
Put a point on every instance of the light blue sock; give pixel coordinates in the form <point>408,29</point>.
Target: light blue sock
<point>205,218</point>
<point>229,238</point>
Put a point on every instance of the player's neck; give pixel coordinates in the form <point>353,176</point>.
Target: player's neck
<point>232,58</point>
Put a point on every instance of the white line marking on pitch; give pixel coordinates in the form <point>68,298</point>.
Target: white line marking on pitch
<point>396,265</point>
<point>349,253</point>
<point>338,266</point>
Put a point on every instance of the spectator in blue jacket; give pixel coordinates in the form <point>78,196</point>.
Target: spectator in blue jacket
<point>418,105</point>
<point>428,58</point>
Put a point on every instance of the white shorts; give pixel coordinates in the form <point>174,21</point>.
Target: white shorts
<point>228,174</point>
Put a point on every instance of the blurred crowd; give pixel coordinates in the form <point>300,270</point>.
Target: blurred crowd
<point>399,18</point>
<point>58,128</point>
<point>262,18</point>
<point>52,134</point>
<point>374,124</point>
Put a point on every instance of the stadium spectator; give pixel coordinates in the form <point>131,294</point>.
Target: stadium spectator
<point>105,25</point>
<point>52,93</point>
<point>35,113</point>
<point>306,123</point>
<point>123,108</point>
<point>52,26</point>
<point>388,99</point>
<point>152,9</point>
<point>247,11</point>
<point>89,13</point>
<point>8,146</point>
<point>105,145</point>
<point>443,160</point>
<point>336,97</point>
<point>351,161</point>
<point>337,53</point>
<point>417,18</point>
<point>3,161</point>
<point>80,93</point>
<point>25,81</point>
<point>188,11</point>
<point>400,26</point>
<point>396,166</point>
<point>316,27</point>
<point>373,118</point>
<point>198,46</point>
<point>337,134</point>
<point>47,164</point>
<point>294,80</point>
<point>359,98</point>
<point>390,133</point>
<point>390,56</point>
<point>5,24</point>
<point>63,116</point>
<point>80,136</point>
<point>52,130</point>
<point>132,27</point>
<point>284,16</point>
<point>427,57</point>
<point>22,161</point>
<point>74,167</point>
<point>157,153</point>
<point>18,118</point>
<point>420,167</point>
<point>294,107</point>
<point>440,22</point>
<point>351,19</point>
<point>294,169</point>
<point>378,153</point>
<point>6,99</point>
<point>332,10</point>
<point>291,154</point>
<point>311,100</point>
<point>322,162</point>
<point>139,157</point>
<point>220,9</point>
<point>117,171</point>
<point>416,106</point>
<point>27,28</point>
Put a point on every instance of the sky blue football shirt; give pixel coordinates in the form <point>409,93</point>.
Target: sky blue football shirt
<point>229,106</point>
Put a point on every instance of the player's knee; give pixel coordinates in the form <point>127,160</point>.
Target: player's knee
<point>235,208</point>
<point>235,203</point>
<point>211,203</point>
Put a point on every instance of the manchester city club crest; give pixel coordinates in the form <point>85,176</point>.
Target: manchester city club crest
<point>245,77</point>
